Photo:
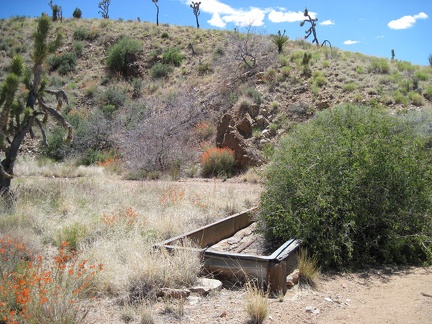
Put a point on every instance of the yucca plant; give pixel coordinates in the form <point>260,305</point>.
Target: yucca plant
<point>280,40</point>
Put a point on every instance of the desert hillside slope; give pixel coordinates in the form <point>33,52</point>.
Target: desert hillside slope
<point>181,81</point>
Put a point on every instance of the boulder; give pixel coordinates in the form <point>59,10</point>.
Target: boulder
<point>205,285</point>
<point>245,126</point>
<point>225,124</point>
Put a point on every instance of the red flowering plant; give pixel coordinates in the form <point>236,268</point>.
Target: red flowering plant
<point>33,289</point>
<point>217,162</point>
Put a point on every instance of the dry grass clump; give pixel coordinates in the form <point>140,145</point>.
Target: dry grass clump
<point>308,269</point>
<point>256,303</point>
<point>116,223</point>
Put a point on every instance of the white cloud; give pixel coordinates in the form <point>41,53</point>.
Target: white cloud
<point>288,16</point>
<point>252,17</point>
<point>351,42</point>
<point>216,21</point>
<point>406,21</point>
<point>327,23</point>
<point>221,14</point>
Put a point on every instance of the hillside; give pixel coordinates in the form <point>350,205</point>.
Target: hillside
<point>172,96</point>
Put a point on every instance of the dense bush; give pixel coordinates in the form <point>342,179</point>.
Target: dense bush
<point>160,70</point>
<point>379,66</point>
<point>217,162</point>
<point>355,184</point>
<point>77,13</point>
<point>63,63</point>
<point>172,56</point>
<point>112,96</point>
<point>84,34</point>
<point>123,54</point>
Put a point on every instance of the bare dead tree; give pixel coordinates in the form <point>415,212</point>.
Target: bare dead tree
<point>162,134</point>
<point>249,47</point>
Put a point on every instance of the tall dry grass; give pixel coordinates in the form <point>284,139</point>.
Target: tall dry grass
<point>116,223</point>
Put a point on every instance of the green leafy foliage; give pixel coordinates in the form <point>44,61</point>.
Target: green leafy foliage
<point>355,185</point>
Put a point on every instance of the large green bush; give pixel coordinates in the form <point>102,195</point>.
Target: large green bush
<point>123,54</point>
<point>355,185</point>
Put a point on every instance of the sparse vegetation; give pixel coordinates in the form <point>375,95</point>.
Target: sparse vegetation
<point>256,303</point>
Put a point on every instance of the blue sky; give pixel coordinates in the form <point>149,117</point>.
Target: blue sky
<point>372,27</point>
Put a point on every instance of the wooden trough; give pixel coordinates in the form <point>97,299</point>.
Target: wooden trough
<point>269,271</point>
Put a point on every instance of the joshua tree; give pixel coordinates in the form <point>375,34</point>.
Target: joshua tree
<point>196,10</point>
<point>157,11</point>
<point>104,8</point>
<point>311,30</point>
<point>18,116</point>
<point>56,11</point>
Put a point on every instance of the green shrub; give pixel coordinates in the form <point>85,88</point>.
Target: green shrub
<point>172,56</point>
<point>122,55</point>
<point>319,79</point>
<point>400,98</point>
<point>78,48</point>
<point>253,94</point>
<point>422,76</point>
<point>416,98</point>
<point>113,96</point>
<point>349,87</point>
<point>73,234</point>
<point>63,63</point>
<point>355,185</point>
<point>160,70</point>
<point>379,66</point>
<point>165,35</point>
<point>57,149</point>
<point>428,92</point>
<point>83,34</point>
<point>77,13</point>
<point>217,162</point>
<point>405,66</point>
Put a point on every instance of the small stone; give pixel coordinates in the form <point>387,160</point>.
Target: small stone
<point>328,299</point>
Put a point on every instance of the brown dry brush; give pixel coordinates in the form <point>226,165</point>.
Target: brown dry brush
<point>163,135</point>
